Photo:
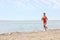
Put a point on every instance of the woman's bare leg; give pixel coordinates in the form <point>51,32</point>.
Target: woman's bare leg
<point>45,27</point>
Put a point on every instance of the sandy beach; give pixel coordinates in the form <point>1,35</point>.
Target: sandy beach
<point>43,35</point>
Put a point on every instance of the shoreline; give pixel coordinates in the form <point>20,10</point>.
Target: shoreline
<point>30,32</point>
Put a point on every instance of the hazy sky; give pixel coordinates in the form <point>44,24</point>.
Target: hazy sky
<point>29,9</point>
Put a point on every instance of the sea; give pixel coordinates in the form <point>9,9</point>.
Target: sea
<point>26,25</point>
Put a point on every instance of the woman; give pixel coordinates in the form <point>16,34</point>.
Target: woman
<point>44,19</point>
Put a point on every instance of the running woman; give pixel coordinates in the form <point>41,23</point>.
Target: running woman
<point>44,19</point>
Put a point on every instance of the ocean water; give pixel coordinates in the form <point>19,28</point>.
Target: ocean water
<point>26,26</point>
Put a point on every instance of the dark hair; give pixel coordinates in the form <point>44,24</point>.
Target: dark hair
<point>44,13</point>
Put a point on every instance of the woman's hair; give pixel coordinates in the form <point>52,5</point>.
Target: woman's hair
<point>44,14</point>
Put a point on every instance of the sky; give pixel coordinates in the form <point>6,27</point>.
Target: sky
<point>29,9</point>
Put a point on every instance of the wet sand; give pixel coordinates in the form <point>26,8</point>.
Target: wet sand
<point>43,35</point>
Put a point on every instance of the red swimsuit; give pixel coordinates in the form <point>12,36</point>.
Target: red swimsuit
<point>44,19</point>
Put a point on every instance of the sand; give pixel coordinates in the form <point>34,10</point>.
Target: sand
<point>44,35</point>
